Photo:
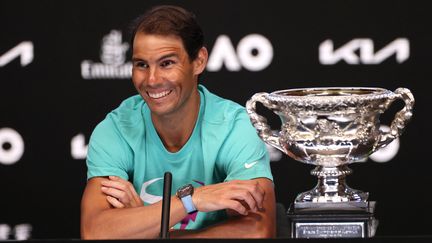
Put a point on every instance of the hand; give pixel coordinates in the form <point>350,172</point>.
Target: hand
<point>120,193</point>
<point>241,196</point>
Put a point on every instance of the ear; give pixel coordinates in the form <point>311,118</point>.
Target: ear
<point>200,61</point>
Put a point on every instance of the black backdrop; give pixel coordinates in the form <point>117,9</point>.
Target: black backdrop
<point>57,82</point>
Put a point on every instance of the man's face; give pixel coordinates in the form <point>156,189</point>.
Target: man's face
<point>163,74</point>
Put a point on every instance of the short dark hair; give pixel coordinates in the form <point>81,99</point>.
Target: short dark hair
<point>172,20</point>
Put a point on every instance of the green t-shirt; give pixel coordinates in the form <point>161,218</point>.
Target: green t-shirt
<point>223,146</point>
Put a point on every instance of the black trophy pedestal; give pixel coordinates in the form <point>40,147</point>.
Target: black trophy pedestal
<point>332,222</point>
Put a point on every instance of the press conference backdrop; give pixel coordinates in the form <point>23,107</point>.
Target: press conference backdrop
<point>65,64</point>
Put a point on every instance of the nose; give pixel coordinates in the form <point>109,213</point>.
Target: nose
<point>153,77</point>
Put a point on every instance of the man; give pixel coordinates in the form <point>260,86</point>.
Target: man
<point>176,125</point>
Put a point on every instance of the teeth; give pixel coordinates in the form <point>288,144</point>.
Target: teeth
<point>159,95</point>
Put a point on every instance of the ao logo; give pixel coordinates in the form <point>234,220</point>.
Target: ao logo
<point>11,146</point>
<point>254,53</point>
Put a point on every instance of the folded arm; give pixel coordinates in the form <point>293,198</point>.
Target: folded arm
<point>111,209</point>
<point>255,223</point>
<point>250,203</point>
<point>100,220</point>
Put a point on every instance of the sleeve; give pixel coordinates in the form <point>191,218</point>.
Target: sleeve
<point>245,155</point>
<point>108,153</point>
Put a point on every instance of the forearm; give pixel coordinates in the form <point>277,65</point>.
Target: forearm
<point>256,224</point>
<point>129,223</point>
<point>251,226</point>
<point>122,224</point>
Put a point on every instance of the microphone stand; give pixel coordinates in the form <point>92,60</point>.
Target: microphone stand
<point>166,201</point>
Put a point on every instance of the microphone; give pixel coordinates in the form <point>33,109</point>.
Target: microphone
<point>166,201</point>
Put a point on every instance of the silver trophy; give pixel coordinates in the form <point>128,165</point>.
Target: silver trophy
<point>330,127</point>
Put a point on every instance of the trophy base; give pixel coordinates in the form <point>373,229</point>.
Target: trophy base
<point>324,220</point>
<point>335,206</point>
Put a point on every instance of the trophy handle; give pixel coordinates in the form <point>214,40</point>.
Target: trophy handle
<point>401,118</point>
<point>260,122</point>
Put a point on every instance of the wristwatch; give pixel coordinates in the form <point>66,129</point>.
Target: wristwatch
<point>184,193</point>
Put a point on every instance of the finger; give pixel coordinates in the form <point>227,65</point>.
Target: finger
<point>114,202</point>
<point>257,192</point>
<point>231,213</point>
<point>126,193</point>
<point>119,180</point>
<point>259,199</point>
<point>136,197</point>
<point>124,189</point>
<point>246,197</point>
<point>253,187</point>
<point>121,195</point>
<point>115,184</point>
<point>237,206</point>
<point>131,191</point>
<point>114,178</point>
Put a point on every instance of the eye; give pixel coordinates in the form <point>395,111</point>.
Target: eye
<point>166,63</point>
<point>140,64</point>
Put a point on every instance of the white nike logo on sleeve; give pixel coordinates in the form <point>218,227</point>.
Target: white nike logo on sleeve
<point>250,165</point>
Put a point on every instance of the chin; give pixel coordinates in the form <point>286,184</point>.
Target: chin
<point>160,111</point>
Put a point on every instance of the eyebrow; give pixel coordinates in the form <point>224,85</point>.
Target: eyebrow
<point>135,59</point>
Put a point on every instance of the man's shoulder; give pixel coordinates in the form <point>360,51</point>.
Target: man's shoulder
<point>123,120</point>
<point>129,111</point>
<point>221,110</point>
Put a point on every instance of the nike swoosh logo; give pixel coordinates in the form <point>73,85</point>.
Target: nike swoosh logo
<point>146,197</point>
<point>250,165</point>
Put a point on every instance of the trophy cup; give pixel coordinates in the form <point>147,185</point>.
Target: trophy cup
<point>331,127</point>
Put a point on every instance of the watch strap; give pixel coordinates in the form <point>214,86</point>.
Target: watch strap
<point>188,204</point>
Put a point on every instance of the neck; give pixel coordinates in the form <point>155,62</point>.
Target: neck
<point>175,129</point>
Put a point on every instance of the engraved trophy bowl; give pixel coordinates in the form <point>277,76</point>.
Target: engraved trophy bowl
<point>330,127</point>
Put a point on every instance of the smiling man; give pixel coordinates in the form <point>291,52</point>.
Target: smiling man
<point>220,166</point>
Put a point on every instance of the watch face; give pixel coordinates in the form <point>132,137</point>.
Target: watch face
<point>185,190</point>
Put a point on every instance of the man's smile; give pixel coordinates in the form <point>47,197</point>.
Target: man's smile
<point>158,95</point>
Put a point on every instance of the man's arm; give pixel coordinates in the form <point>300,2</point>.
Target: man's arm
<point>256,221</point>
<point>259,224</point>
<point>99,220</point>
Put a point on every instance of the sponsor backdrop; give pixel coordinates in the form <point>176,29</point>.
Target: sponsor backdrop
<point>65,64</point>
